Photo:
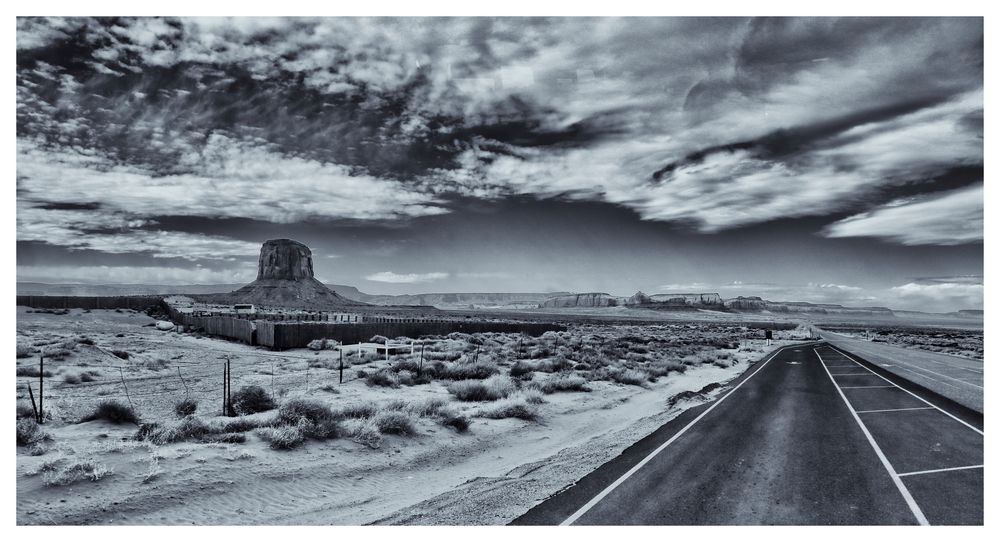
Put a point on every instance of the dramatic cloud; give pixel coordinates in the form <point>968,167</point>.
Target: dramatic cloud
<point>405,278</point>
<point>952,218</point>
<point>133,275</point>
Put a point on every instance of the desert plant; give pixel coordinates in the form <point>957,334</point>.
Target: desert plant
<point>23,350</point>
<point>564,382</point>
<point>185,407</point>
<point>24,410</point>
<point>491,389</point>
<point>29,432</point>
<point>77,471</point>
<point>394,422</point>
<point>251,400</point>
<point>71,378</point>
<point>515,407</point>
<point>385,379</point>
<point>457,422</point>
<point>359,410</point>
<point>121,354</point>
<point>32,371</point>
<point>282,438</point>
<point>468,371</point>
<point>112,411</point>
<point>314,419</point>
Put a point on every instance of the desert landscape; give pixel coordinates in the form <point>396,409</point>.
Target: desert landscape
<point>134,430</point>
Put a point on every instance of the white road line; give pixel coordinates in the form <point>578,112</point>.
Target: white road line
<point>600,496</point>
<point>850,374</point>
<point>862,387</point>
<point>931,379</point>
<point>917,512</point>
<point>940,470</point>
<point>945,412</point>
<point>895,409</point>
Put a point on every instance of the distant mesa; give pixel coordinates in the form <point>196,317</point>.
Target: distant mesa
<point>285,278</point>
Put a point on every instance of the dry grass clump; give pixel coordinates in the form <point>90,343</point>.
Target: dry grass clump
<point>514,407</point>
<point>477,370</point>
<point>491,389</point>
<point>283,437</point>
<point>112,411</point>
<point>563,382</point>
<point>394,422</point>
<point>251,400</point>
<point>384,378</point>
<point>85,469</point>
<point>185,407</point>
<point>23,350</point>
<point>32,371</point>
<point>85,376</point>
<point>632,377</point>
<point>29,432</point>
<point>24,410</point>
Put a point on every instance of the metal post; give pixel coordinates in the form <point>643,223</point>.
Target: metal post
<point>32,397</point>
<point>341,364</point>
<point>41,389</point>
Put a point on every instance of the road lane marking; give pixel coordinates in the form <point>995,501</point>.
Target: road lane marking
<point>949,469</point>
<point>917,512</point>
<point>860,387</point>
<point>600,496</point>
<point>895,409</point>
<point>943,411</point>
<point>919,368</point>
<point>851,374</point>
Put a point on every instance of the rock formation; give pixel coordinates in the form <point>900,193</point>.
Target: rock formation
<point>285,279</point>
<point>284,259</point>
<point>593,299</point>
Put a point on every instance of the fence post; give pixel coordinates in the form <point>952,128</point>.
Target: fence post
<point>41,389</point>
<point>32,397</point>
<point>341,364</point>
<point>225,371</point>
<point>420,368</point>
<point>122,374</point>
<point>186,390</point>
<point>229,389</point>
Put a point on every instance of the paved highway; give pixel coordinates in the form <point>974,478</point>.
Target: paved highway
<point>810,435</point>
<point>959,379</point>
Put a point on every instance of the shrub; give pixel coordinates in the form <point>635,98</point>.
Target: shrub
<point>521,369</point>
<point>468,371</point>
<point>282,438</point>
<point>533,396</point>
<point>384,379</point>
<point>251,400</point>
<point>366,433</point>
<point>29,432</point>
<point>24,410</point>
<point>430,407</point>
<point>314,419</point>
<point>185,407</point>
<point>120,354</point>
<point>32,371</point>
<point>86,340</point>
<point>89,376</point>
<point>71,378</point>
<point>359,410</point>
<point>379,339</point>
<point>564,382</point>
<point>394,422</point>
<point>23,350</point>
<point>112,411</point>
<point>491,389</point>
<point>456,421</point>
<point>510,408</point>
<point>75,472</point>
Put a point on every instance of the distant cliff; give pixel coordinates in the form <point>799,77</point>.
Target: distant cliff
<point>756,304</point>
<point>639,299</point>
<point>460,300</point>
<point>593,299</point>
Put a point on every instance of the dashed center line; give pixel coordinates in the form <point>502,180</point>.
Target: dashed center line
<point>895,409</point>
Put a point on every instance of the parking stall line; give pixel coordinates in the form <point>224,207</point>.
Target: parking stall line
<point>939,409</point>
<point>850,374</point>
<point>893,410</point>
<point>860,387</point>
<point>932,471</point>
<point>910,501</point>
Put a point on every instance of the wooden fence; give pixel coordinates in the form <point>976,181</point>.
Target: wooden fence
<point>137,302</point>
<point>282,336</point>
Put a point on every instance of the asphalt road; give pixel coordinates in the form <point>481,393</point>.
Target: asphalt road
<point>808,436</point>
<point>959,379</point>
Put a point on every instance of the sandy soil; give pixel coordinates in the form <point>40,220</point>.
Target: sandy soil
<point>487,475</point>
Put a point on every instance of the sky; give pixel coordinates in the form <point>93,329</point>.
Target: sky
<point>808,159</point>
